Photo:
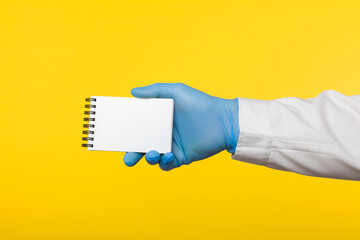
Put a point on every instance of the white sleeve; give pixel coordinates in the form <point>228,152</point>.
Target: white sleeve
<point>317,137</point>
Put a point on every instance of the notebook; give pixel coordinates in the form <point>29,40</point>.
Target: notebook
<point>128,124</point>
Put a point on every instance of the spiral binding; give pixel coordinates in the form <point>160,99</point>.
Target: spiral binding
<point>90,125</point>
<point>89,112</point>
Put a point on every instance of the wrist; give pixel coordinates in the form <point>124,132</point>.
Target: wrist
<point>230,122</point>
<point>234,121</point>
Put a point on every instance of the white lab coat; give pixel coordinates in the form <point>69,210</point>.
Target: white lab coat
<point>317,137</point>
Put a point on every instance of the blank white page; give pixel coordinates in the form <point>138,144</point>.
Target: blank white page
<point>132,124</point>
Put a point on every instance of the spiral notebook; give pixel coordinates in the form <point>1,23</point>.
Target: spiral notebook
<point>128,124</point>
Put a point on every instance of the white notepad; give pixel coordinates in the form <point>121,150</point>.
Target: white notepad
<point>129,124</point>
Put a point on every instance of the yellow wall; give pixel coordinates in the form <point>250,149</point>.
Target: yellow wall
<point>53,54</point>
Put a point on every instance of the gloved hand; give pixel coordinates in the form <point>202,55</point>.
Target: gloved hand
<point>203,125</point>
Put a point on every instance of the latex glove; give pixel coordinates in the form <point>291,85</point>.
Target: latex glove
<point>203,125</point>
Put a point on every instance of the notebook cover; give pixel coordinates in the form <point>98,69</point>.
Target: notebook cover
<point>131,124</point>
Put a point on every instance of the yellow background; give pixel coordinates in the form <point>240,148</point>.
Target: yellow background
<point>53,54</point>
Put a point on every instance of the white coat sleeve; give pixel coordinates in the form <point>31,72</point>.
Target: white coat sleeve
<point>317,137</point>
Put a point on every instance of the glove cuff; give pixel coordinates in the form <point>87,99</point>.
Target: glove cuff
<point>232,130</point>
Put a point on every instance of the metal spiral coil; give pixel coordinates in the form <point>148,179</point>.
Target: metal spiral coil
<point>88,139</point>
<point>90,99</point>
<point>89,112</point>
<point>88,132</point>
<point>89,125</point>
<point>87,145</point>
<point>89,119</point>
<point>90,106</point>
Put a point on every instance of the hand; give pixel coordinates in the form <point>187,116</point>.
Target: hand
<point>203,125</point>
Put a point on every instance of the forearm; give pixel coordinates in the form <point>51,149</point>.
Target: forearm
<point>317,137</point>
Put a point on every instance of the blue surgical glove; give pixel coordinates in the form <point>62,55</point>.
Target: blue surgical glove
<point>203,125</point>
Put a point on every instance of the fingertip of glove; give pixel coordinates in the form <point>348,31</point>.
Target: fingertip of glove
<point>131,159</point>
<point>152,157</point>
<point>134,92</point>
<point>167,162</point>
<point>167,158</point>
<point>129,163</point>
